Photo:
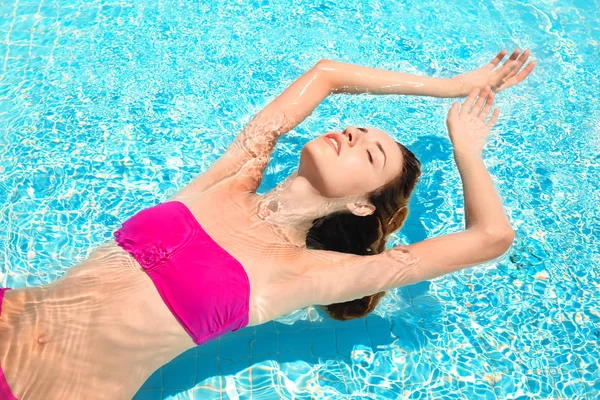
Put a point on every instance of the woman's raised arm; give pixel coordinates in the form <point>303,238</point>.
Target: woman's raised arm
<point>252,148</point>
<point>348,78</point>
<point>331,277</point>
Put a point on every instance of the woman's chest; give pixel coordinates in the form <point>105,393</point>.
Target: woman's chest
<point>268,259</point>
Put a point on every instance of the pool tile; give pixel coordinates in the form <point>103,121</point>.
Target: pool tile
<point>261,358</point>
<point>347,338</point>
<point>154,381</point>
<point>235,347</point>
<point>179,373</point>
<point>208,394</point>
<point>381,335</point>
<point>509,382</point>
<point>417,368</point>
<point>263,384</point>
<point>539,385</point>
<point>175,394</point>
<point>569,385</point>
<point>208,349</point>
<point>242,332</point>
<point>265,342</point>
<point>373,320</point>
<point>191,353</point>
<point>324,342</point>
<point>330,378</point>
<point>353,323</point>
<point>296,342</point>
<point>288,357</point>
<point>326,322</point>
<point>153,394</point>
<point>206,367</point>
<point>442,389</point>
<point>296,327</point>
<point>230,367</point>
<point>270,326</point>
<point>478,390</point>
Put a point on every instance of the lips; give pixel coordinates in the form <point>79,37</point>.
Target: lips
<point>338,141</point>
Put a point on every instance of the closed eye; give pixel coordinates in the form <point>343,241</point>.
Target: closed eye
<point>368,152</point>
<point>380,148</point>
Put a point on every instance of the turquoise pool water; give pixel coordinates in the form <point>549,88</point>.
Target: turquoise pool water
<point>108,107</point>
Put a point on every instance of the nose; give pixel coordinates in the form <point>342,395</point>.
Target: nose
<point>353,134</point>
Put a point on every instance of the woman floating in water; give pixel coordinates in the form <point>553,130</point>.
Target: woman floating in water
<point>217,257</point>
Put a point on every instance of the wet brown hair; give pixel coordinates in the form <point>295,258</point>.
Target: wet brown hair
<point>348,233</point>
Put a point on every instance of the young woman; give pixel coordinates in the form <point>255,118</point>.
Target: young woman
<point>216,257</point>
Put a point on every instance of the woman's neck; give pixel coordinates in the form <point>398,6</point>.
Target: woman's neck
<point>292,206</point>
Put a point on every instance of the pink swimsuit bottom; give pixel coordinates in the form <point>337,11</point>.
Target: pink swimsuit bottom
<point>205,287</point>
<point>5,392</point>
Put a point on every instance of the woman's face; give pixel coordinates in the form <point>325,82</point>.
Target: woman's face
<point>359,168</point>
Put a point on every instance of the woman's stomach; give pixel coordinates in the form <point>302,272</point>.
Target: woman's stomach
<point>101,321</point>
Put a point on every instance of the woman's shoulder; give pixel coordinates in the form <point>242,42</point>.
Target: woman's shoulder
<point>240,180</point>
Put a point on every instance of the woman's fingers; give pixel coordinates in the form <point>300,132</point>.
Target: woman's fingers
<point>494,118</point>
<point>504,71</point>
<point>453,113</point>
<point>523,57</point>
<point>507,68</point>
<point>514,55</point>
<point>497,59</point>
<point>454,109</point>
<point>466,106</point>
<point>525,72</point>
<point>521,60</point>
<point>480,101</point>
<point>485,111</point>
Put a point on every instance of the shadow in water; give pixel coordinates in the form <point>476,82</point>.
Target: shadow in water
<point>415,320</point>
<point>428,192</point>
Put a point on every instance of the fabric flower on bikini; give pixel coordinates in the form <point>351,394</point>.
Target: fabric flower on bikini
<point>125,243</point>
<point>151,254</point>
<point>148,255</point>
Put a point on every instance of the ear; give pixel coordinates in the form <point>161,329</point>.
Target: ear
<point>360,209</point>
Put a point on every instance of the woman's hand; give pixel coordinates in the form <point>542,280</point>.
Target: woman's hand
<point>497,78</point>
<point>467,123</point>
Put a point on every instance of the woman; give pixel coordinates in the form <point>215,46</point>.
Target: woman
<point>217,257</point>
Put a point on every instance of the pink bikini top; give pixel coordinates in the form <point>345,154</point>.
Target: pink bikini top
<point>206,288</point>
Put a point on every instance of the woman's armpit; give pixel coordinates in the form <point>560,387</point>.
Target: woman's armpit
<point>404,263</point>
<point>336,277</point>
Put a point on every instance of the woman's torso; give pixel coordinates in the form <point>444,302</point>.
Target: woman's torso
<point>102,329</point>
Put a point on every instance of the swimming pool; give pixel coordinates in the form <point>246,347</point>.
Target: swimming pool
<point>107,107</point>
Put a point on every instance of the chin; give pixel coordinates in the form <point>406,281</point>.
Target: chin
<point>313,167</point>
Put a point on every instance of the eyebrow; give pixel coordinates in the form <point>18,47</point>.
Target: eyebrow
<point>378,145</point>
<point>383,151</point>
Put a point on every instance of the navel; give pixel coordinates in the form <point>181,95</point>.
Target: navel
<point>43,339</point>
